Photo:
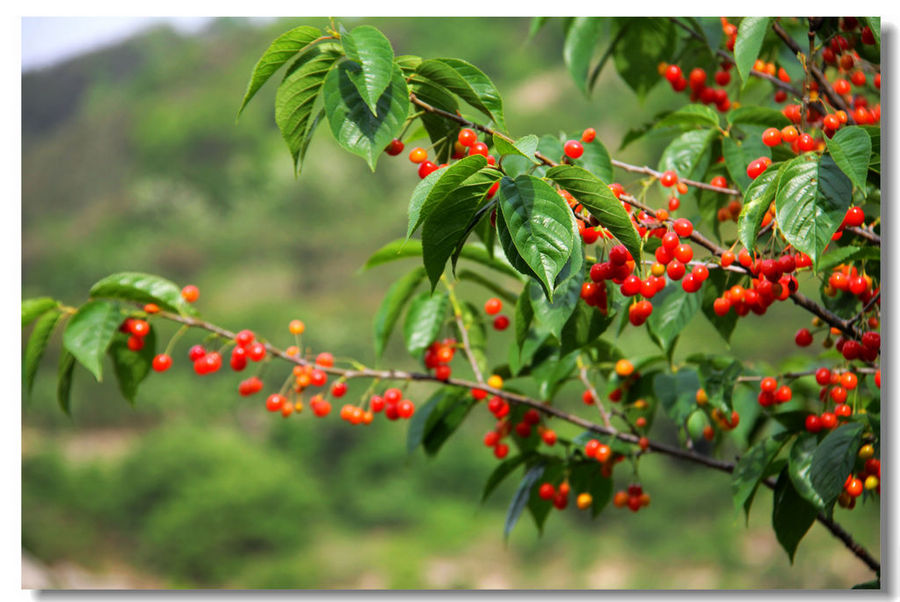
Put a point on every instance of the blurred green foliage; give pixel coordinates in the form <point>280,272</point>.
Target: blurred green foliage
<point>132,161</point>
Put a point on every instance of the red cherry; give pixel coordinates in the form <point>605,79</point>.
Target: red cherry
<point>338,389</point>
<point>196,352</point>
<point>238,359</point>
<point>668,178</point>
<point>467,137</point>
<point>771,137</point>
<point>501,323</point>
<point>588,135</point>
<point>162,362</point>
<point>803,338</point>
<point>394,148</point>
<point>573,149</point>
<point>190,293</point>
<point>256,351</point>
<point>813,424</point>
<point>425,168</point>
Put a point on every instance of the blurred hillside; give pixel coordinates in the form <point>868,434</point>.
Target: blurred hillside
<point>132,160</point>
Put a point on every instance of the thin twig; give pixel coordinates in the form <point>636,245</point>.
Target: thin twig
<point>583,376</point>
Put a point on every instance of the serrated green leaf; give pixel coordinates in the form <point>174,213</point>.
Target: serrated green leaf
<point>90,331</point>
<point>132,367</point>
<point>32,309</point>
<point>520,498</point>
<point>442,414</point>
<point>403,249</point>
<point>643,45</point>
<point>539,221</point>
<point>469,83</point>
<point>37,344</point>
<point>296,99</point>
<point>751,469</point>
<point>578,49</point>
<point>354,126</point>
<point>755,115</point>
<point>750,35</point>
<point>689,117</point>
<point>65,372</point>
<point>792,515</point>
<point>685,154</point>
<point>392,306</point>
<point>587,477</point>
<point>799,464</point>
<point>595,196</point>
<point>369,48</point>
<point>851,148</point>
<point>673,308</point>
<point>874,24</point>
<point>442,132</point>
<point>285,46</point>
<point>596,160</point>
<point>429,193</point>
<point>551,316</point>
<point>757,199</point>
<point>423,322</point>
<point>447,225</point>
<point>525,146</point>
<point>833,460</point>
<point>812,199</point>
<point>583,328</point>
<point>838,255</point>
<point>717,283</point>
<point>143,288</point>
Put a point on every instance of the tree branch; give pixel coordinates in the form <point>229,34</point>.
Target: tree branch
<point>548,410</point>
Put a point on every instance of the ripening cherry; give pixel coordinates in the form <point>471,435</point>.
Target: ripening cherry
<point>549,437</point>
<point>843,410</point>
<point>789,134</point>
<point>771,137</point>
<point>135,343</point>
<point>668,178</point>
<point>588,135</point>
<point>842,86</point>
<point>854,487</point>
<point>620,499</point>
<point>190,293</point>
<point>683,227</point>
<point>317,377</point>
<point>478,148</point>
<point>256,351</point>
<point>320,407</point>
<point>546,491</point>
<point>493,306</point>
<point>590,448</point>
<point>425,168</point>
<point>162,362</point>
<point>683,253</point>
<point>338,389</point>
<point>806,143</point>
<point>755,168</point>
<point>418,155</point>
<point>783,394</point>
<point>196,352</point>
<point>467,137</point>
<point>573,149</point>
<point>394,147</point>
<point>244,338</point>
<point>672,73</point>
<point>675,270</point>
<point>721,306</point>
<point>250,386</point>
<point>275,401</point>
<point>405,408</point>
<point>813,424</point>
<point>674,203</point>
<point>803,338</point>
<point>828,420</point>
<point>854,217</point>
<point>238,360</point>
<point>501,450</point>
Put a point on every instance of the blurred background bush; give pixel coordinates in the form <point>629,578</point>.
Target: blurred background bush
<point>132,161</point>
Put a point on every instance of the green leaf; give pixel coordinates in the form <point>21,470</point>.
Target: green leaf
<point>499,474</point>
<point>551,316</point>
<point>751,32</point>
<point>64,381</point>
<point>584,326</point>
<point>369,48</point>
<point>873,584</point>
<point>423,321</point>
<point>489,284</point>
<point>286,46</point>
<point>838,255</point>
<point>143,288</point>
<point>751,469</point>
<point>739,154</point>
<point>394,301</point>
<point>677,393</point>
<point>596,160</point>
<point>812,199</point>
<point>32,309</point>
<point>644,44</point>
<point>578,49</point>
<point>799,464</point>
<point>437,419</point>
<point>792,516</point>
<point>520,498</point>
<point>403,249</point>
<point>538,220</point>
<point>295,100</point>
<point>37,343</point>
<point>90,331</point>
<point>596,197</point>
<point>673,308</point>
<point>757,198</point>
<point>685,154</point>
<point>447,226</point>
<point>525,146</point>
<point>833,460</point>
<point>690,117</point>
<point>874,24</point>
<point>354,126</point>
<point>851,147</point>
<point>132,367</point>
<point>754,115</point>
<point>442,132</point>
<point>469,83</point>
<point>429,193</point>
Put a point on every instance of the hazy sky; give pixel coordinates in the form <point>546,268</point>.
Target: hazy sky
<point>48,40</point>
